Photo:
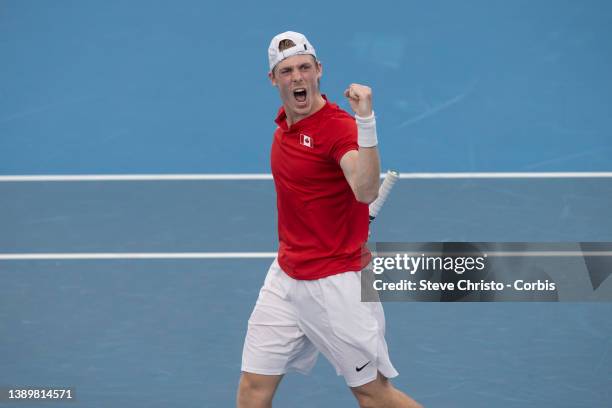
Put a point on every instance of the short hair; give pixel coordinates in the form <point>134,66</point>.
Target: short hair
<point>285,44</point>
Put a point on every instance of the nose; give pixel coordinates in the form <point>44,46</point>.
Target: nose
<point>296,76</point>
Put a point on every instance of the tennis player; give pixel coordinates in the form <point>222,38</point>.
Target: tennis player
<point>326,170</point>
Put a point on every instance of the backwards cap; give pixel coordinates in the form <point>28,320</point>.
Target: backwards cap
<point>302,47</point>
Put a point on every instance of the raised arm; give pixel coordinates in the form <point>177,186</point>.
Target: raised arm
<point>362,167</point>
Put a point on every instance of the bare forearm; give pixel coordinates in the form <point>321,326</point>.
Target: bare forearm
<point>367,174</point>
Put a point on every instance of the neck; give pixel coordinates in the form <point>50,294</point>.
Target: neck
<point>292,117</point>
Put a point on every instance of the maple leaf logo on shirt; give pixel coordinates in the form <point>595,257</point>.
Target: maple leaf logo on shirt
<point>306,140</point>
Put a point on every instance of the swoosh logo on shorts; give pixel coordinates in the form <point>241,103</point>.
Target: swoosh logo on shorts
<point>362,367</point>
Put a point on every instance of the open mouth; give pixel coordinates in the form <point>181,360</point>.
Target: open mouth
<point>299,94</point>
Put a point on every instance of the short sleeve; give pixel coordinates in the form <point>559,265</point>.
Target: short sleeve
<point>344,137</point>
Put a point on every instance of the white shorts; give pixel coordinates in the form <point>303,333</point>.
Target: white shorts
<point>293,320</point>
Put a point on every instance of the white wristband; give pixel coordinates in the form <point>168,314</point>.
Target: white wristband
<point>366,131</point>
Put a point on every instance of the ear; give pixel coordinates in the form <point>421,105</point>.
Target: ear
<point>272,79</point>
<point>320,69</point>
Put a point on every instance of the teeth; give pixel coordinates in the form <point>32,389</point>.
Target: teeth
<point>299,90</point>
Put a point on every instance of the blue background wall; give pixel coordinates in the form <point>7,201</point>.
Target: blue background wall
<point>161,86</point>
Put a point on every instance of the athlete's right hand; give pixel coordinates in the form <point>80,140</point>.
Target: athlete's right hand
<point>360,99</point>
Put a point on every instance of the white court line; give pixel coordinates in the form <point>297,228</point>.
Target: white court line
<point>135,255</point>
<point>136,177</point>
<point>264,255</point>
<point>267,176</point>
<point>506,175</point>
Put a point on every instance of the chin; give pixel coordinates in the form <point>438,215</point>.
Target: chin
<point>303,110</point>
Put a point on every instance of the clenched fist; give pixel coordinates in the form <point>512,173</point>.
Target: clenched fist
<point>360,98</point>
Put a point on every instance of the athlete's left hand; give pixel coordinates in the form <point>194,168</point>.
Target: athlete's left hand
<point>360,98</point>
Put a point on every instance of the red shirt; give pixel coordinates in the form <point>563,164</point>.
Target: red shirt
<point>322,228</point>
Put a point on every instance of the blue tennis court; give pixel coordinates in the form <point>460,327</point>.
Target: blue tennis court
<point>154,88</point>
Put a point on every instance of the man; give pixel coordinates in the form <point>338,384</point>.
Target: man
<point>326,170</point>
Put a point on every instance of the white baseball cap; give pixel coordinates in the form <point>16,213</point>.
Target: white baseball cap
<point>302,46</point>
